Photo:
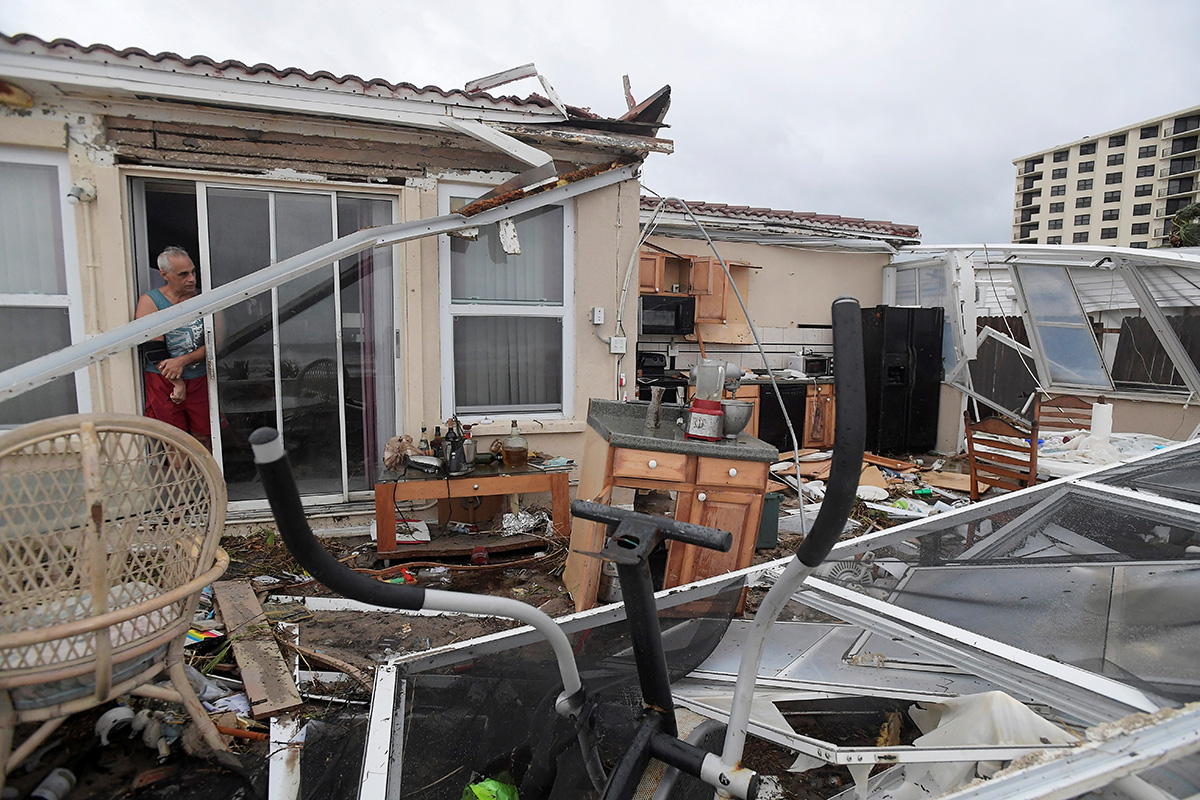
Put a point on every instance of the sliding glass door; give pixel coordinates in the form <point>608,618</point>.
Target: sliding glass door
<point>314,357</point>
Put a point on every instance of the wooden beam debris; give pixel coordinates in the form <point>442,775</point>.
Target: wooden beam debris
<point>265,673</point>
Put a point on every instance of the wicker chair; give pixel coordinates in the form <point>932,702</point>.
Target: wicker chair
<point>109,530</point>
<point>1000,454</point>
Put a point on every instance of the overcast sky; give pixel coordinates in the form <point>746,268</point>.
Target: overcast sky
<point>904,111</point>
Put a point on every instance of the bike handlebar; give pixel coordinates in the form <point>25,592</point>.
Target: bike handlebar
<point>850,434</point>
<point>686,532</point>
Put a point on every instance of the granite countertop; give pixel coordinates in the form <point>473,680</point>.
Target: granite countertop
<point>624,425</point>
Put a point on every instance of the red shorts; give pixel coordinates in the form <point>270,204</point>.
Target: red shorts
<point>191,415</point>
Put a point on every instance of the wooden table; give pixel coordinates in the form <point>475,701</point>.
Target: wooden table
<point>485,480</point>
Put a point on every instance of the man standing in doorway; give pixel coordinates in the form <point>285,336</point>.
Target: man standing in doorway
<point>175,373</point>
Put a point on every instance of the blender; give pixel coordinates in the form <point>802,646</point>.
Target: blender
<point>705,418</point>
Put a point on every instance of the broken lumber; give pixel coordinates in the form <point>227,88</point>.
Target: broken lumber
<point>324,659</point>
<point>266,675</point>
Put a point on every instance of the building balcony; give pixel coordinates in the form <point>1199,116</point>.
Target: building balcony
<point>1175,152</point>
<point>1023,171</point>
<point>1179,169</point>
<point>1167,192</point>
<point>1179,130</point>
<point>1163,232</point>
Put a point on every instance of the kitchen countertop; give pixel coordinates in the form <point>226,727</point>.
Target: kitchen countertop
<point>782,381</point>
<point>624,425</point>
<point>680,377</point>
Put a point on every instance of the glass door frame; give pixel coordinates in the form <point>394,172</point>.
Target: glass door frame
<point>205,264</point>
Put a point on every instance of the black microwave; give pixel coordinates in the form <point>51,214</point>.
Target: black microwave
<point>672,315</point>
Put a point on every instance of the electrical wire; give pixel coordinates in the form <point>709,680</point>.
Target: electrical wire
<point>1037,384</point>
<point>761,351</point>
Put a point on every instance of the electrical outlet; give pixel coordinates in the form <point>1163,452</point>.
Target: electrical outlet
<point>616,345</point>
<point>598,315</point>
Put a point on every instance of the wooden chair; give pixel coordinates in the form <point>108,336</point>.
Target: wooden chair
<point>1001,454</point>
<point>1064,413</point>
<point>109,531</point>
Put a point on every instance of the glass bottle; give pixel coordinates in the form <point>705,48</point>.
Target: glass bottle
<point>515,449</point>
<point>423,445</point>
<point>436,444</point>
<point>468,444</point>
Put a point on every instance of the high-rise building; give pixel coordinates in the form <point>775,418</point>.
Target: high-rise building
<point>1118,188</point>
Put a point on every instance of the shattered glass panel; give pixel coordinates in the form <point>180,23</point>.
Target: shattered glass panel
<point>1002,374</point>
<point>1175,475</point>
<point>491,707</point>
<point>1067,572</point>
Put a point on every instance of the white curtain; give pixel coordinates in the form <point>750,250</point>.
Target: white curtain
<point>501,362</point>
<point>31,241</point>
<point>481,272</point>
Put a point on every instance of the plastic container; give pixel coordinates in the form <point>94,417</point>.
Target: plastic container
<point>768,526</point>
<point>55,786</point>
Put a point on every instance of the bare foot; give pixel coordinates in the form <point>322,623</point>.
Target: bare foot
<point>179,393</point>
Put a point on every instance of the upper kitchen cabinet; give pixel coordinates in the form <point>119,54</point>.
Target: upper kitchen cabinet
<point>663,273</point>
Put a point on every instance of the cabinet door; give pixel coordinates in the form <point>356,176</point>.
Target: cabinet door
<point>710,287</point>
<point>819,416</point>
<point>650,272</point>
<point>736,512</point>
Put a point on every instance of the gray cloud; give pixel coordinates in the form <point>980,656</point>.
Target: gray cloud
<point>906,111</point>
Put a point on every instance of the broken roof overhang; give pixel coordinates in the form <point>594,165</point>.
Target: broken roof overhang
<point>69,69</point>
<point>774,227</point>
<point>24,377</point>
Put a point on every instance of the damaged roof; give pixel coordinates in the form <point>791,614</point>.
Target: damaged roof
<point>770,220</point>
<point>645,121</point>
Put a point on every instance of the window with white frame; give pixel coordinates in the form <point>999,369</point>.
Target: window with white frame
<point>40,293</point>
<point>1064,344</point>
<point>507,335</point>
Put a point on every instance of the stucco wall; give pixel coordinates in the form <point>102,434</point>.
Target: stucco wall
<point>794,286</point>
<point>606,225</point>
<point>1168,418</point>
<point>606,230</point>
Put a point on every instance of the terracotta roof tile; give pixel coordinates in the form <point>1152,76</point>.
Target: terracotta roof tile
<point>819,223</point>
<point>232,69</point>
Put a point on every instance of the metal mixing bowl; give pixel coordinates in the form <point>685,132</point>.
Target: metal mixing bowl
<point>737,416</point>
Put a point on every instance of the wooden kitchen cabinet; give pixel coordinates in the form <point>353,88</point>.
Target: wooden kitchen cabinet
<point>711,289</point>
<point>819,416</point>
<point>661,273</point>
<point>651,268</point>
<point>721,493</point>
<point>730,510</point>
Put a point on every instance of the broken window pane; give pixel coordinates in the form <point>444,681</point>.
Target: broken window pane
<point>1002,374</point>
<point>1061,330</point>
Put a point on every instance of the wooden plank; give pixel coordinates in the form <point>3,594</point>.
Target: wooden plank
<point>954,481</point>
<point>265,673</point>
<point>890,463</point>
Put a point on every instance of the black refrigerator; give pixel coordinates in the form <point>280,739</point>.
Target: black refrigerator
<point>902,350</point>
